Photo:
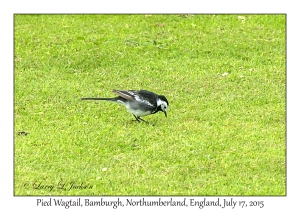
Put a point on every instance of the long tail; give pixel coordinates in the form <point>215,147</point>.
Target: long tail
<point>103,99</point>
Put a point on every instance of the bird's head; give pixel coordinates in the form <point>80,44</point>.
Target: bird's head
<point>163,104</point>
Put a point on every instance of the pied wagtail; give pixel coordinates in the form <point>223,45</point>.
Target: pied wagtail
<point>139,102</point>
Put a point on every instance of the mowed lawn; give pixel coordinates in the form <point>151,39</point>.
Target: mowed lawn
<point>223,75</point>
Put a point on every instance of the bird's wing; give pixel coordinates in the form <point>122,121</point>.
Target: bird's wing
<point>129,95</point>
<point>146,97</point>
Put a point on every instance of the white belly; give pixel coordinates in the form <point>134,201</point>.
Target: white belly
<point>138,113</point>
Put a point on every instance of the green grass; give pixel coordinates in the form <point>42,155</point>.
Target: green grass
<point>224,135</point>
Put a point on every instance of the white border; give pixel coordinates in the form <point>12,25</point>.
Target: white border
<point>8,8</point>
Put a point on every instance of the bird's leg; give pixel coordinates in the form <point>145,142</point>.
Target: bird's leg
<point>142,120</point>
<point>137,119</point>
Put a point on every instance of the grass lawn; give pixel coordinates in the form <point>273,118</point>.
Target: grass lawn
<point>223,75</point>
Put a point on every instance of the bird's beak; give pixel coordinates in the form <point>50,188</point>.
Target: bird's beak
<point>165,114</point>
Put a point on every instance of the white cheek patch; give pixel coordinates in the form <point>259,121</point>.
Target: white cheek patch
<point>163,104</point>
<point>160,102</point>
<point>166,107</point>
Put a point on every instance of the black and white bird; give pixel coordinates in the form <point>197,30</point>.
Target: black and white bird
<point>139,102</point>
